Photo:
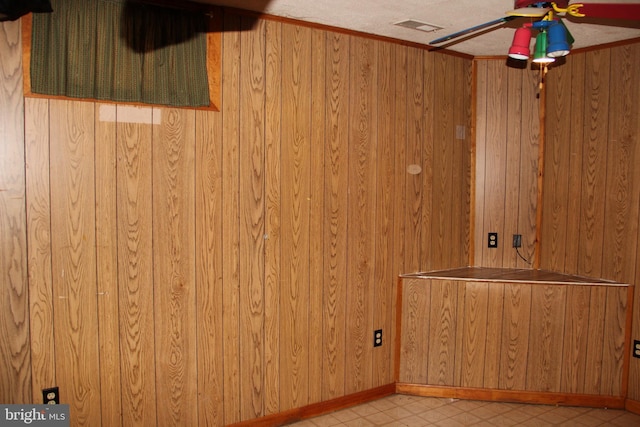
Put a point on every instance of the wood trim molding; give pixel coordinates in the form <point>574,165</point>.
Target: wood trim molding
<point>632,406</point>
<point>515,396</point>
<point>320,408</point>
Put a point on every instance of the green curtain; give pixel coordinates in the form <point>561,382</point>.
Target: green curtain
<point>120,50</point>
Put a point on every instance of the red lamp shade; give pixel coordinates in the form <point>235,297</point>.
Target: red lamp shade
<point>521,41</point>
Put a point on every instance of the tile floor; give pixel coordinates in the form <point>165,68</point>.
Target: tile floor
<point>412,411</point>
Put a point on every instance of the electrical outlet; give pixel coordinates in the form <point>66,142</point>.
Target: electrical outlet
<point>636,348</point>
<point>517,240</point>
<point>377,338</point>
<point>50,396</point>
<point>492,241</point>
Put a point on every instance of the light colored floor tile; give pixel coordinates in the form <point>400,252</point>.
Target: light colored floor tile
<point>415,411</point>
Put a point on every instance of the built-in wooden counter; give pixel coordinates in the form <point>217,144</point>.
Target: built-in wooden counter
<point>514,335</point>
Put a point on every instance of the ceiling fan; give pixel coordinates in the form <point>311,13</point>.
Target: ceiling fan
<point>544,19</point>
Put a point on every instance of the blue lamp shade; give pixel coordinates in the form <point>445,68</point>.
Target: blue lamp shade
<point>521,41</point>
<point>557,41</point>
<point>540,53</point>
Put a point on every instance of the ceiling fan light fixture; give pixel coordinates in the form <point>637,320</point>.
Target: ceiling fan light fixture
<point>540,53</point>
<point>557,37</point>
<point>520,46</point>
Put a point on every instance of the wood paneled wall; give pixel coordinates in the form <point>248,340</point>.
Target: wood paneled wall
<point>565,338</point>
<point>592,182</point>
<point>506,168</point>
<point>15,352</point>
<point>202,268</point>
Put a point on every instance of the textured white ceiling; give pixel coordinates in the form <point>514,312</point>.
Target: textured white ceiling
<point>379,16</point>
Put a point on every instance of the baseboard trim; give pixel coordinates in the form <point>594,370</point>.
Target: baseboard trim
<point>319,408</point>
<point>544,398</point>
<point>632,406</point>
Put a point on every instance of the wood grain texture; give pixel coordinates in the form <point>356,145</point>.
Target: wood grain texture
<point>135,271</point>
<point>252,227</point>
<point>385,174</point>
<point>294,290</point>
<point>209,219</point>
<point>499,336</point>
<point>506,169</point>
<point>316,215</point>
<point>414,345</point>
<point>15,354</point>
<point>414,152</point>
<point>600,200</point>
<point>273,191</point>
<point>230,226</point>
<point>362,214</point>
<point>73,258</point>
<point>107,269</point>
<point>474,321</point>
<point>335,231</point>
<point>443,312</point>
<point>174,267</point>
<point>43,368</point>
<point>544,359</point>
<point>253,250</point>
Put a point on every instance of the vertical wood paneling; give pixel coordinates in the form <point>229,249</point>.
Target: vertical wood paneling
<point>614,342</point>
<point>515,126</point>
<point>43,369</point>
<point>545,347</point>
<point>252,94</point>
<point>74,258</point>
<point>593,376</point>
<point>576,324</point>
<point>482,80</point>
<point>362,214</point>
<point>15,354</point>
<point>515,337</point>
<point>442,332</point>
<point>209,256</point>
<point>555,209</point>
<point>475,330</point>
<point>594,163</point>
<point>107,269</point>
<point>601,203</point>
<point>294,286</point>
<point>622,177</point>
<point>428,147</point>
<point>443,198</point>
<point>497,311</point>
<point>506,168</point>
<point>236,263</point>
<point>335,234</point>
<point>495,171</point>
<point>415,331</point>
<point>273,188</point>
<point>174,267</point>
<point>383,269</point>
<point>135,272</point>
<point>512,336</point>
<point>230,226</point>
<point>577,147</point>
<point>527,221</point>
<point>414,152</point>
<point>316,219</point>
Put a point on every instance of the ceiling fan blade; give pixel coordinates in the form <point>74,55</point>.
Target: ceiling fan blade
<point>529,12</point>
<point>471,30</point>
<point>627,11</point>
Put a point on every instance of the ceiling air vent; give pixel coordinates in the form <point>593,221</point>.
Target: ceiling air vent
<point>417,25</point>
